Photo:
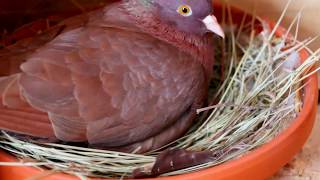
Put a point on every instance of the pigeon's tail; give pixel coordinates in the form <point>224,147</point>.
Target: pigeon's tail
<point>17,116</point>
<point>15,113</point>
<point>10,64</point>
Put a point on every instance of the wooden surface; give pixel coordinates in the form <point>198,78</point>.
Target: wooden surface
<point>306,165</point>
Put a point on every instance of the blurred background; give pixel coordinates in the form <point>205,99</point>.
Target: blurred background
<point>310,22</point>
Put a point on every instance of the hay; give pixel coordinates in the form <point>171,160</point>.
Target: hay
<point>261,96</point>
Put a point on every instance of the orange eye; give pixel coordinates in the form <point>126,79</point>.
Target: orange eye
<point>184,10</point>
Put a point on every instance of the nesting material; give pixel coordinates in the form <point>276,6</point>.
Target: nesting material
<point>261,95</point>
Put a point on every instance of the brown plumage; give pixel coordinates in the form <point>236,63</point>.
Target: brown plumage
<point>122,78</point>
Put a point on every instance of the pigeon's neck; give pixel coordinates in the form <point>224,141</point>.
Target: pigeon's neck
<point>201,47</point>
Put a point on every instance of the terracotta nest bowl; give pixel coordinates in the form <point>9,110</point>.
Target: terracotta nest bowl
<point>258,164</point>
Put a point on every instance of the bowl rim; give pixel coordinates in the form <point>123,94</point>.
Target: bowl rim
<point>310,102</point>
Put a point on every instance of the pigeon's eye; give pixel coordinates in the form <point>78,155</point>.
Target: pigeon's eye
<point>184,10</point>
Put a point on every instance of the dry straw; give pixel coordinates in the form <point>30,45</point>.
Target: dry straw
<point>261,95</point>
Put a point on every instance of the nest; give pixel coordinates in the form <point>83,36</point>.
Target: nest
<point>260,96</point>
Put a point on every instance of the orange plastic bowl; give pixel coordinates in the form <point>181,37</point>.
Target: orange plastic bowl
<point>256,165</point>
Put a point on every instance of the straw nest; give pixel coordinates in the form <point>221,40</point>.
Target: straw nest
<point>260,96</point>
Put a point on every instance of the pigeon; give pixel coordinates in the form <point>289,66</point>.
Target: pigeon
<point>126,77</point>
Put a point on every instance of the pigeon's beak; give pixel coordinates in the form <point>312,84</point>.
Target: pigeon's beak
<point>212,25</point>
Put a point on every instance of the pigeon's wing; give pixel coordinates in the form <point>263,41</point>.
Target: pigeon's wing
<point>46,82</point>
<point>15,112</point>
<point>147,83</point>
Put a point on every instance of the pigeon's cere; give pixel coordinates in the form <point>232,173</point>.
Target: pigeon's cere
<point>126,77</point>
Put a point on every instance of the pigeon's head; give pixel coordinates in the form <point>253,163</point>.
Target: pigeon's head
<point>190,16</point>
